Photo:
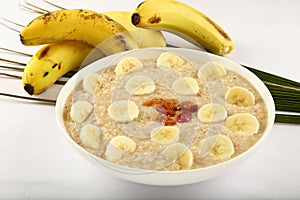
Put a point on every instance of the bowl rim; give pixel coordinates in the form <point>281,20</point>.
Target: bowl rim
<point>73,81</point>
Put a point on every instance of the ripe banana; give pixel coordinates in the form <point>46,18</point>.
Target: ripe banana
<point>144,37</point>
<point>244,124</point>
<point>240,96</point>
<point>123,111</point>
<point>164,134</point>
<point>185,21</point>
<point>212,113</point>
<point>185,86</point>
<point>87,26</point>
<point>180,154</point>
<point>219,146</point>
<point>119,145</point>
<point>54,60</point>
<point>212,71</point>
<point>90,136</point>
<point>170,60</point>
<point>80,111</point>
<point>139,85</point>
<point>128,64</point>
<point>90,82</point>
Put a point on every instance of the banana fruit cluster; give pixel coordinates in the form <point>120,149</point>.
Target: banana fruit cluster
<point>111,32</point>
<point>75,38</point>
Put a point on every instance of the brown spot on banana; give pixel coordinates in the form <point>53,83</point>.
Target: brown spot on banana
<point>55,65</point>
<point>45,74</point>
<point>92,16</point>
<point>58,65</point>
<point>43,53</point>
<point>154,20</point>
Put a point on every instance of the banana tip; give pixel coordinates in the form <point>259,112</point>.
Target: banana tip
<point>29,88</point>
<point>135,19</point>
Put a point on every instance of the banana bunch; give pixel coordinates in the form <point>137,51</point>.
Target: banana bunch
<point>75,38</point>
<point>66,31</point>
<point>184,21</point>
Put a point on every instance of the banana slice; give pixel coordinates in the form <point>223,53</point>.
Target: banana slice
<point>212,71</point>
<point>164,134</point>
<point>80,111</point>
<point>139,85</point>
<point>169,60</point>
<point>179,153</point>
<point>185,86</point>
<point>240,96</point>
<point>90,136</point>
<point>219,146</point>
<point>128,64</point>
<point>212,113</point>
<point>244,124</point>
<point>90,82</point>
<point>123,111</point>
<point>117,146</point>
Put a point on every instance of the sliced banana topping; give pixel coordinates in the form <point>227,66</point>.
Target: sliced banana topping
<point>212,71</point>
<point>212,113</point>
<point>244,124</point>
<point>128,64</point>
<point>123,111</point>
<point>139,85</point>
<point>90,82</point>
<point>240,96</point>
<point>219,146</point>
<point>80,111</point>
<point>179,153</point>
<point>185,86</point>
<point>117,146</point>
<point>90,136</point>
<point>164,134</point>
<point>169,60</point>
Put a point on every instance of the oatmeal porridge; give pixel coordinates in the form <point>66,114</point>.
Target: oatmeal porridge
<point>165,114</point>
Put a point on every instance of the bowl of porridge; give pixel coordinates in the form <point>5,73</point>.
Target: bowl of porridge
<point>165,116</point>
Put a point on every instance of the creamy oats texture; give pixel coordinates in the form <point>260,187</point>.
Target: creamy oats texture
<point>165,114</point>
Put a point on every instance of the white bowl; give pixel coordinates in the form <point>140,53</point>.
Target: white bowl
<point>165,177</point>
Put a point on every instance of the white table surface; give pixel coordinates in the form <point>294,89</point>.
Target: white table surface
<point>37,163</point>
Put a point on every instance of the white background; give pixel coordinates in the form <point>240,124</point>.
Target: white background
<point>37,163</point>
